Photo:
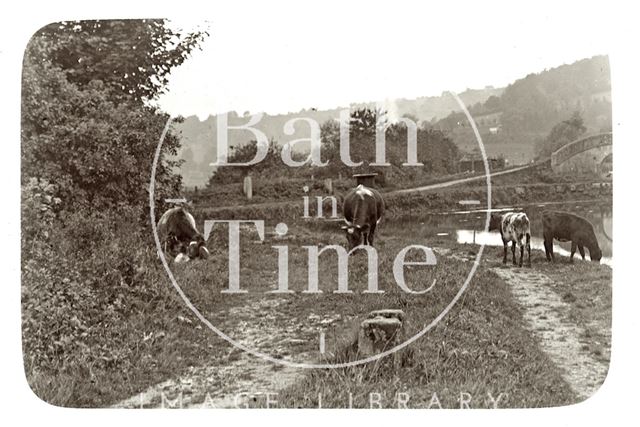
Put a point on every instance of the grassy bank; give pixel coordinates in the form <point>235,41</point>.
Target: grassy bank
<point>145,335</point>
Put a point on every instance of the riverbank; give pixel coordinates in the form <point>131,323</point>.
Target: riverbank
<point>432,201</point>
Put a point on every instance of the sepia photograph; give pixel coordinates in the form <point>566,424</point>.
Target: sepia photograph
<point>318,206</point>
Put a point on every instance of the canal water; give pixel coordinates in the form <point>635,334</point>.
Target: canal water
<point>467,226</point>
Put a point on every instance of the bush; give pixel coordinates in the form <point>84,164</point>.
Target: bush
<point>85,275</point>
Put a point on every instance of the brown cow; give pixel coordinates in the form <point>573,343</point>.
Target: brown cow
<point>179,236</point>
<point>362,208</point>
<point>565,227</point>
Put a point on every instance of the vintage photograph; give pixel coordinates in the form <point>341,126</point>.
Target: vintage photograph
<point>218,217</point>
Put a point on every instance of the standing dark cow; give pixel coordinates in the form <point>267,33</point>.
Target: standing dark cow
<point>179,236</point>
<point>514,227</point>
<point>362,209</point>
<point>564,226</point>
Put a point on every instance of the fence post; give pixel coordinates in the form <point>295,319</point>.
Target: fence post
<point>328,185</point>
<point>247,187</point>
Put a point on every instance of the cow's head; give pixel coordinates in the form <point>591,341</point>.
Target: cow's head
<point>495,222</point>
<point>595,254</point>
<point>355,233</point>
<point>197,249</point>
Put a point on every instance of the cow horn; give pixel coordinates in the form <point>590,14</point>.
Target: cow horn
<point>204,252</point>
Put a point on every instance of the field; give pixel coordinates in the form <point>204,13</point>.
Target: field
<point>485,348</point>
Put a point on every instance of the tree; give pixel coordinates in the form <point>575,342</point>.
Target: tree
<point>493,104</point>
<point>270,167</point>
<point>561,134</point>
<point>87,125</point>
<point>133,57</point>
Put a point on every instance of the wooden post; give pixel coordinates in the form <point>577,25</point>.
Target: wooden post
<point>247,187</point>
<point>328,185</point>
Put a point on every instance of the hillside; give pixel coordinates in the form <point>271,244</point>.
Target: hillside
<point>527,110</point>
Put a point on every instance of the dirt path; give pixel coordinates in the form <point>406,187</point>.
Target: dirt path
<point>460,180</point>
<point>546,315</point>
<point>241,379</point>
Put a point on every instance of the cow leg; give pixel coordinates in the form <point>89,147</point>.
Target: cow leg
<point>513,251</point>
<point>573,250</point>
<point>505,244</point>
<point>372,231</point>
<point>529,249</point>
<point>581,249</point>
<point>548,248</point>
<point>521,254</point>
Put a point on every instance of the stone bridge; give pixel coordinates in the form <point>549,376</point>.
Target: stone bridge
<point>590,154</point>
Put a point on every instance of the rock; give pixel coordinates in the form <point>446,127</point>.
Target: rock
<point>520,191</point>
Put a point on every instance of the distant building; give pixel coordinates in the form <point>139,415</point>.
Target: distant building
<point>475,163</point>
<point>488,119</point>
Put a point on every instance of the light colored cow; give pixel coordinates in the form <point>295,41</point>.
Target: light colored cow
<point>515,228</point>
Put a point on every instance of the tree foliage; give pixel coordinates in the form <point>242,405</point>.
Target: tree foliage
<point>561,134</point>
<point>86,125</point>
<point>435,150</point>
<point>130,57</point>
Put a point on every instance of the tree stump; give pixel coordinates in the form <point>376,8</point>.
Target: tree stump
<point>381,331</point>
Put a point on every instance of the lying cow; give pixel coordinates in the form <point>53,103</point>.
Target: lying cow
<point>515,228</point>
<point>179,236</point>
<point>362,209</point>
<point>564,226</point>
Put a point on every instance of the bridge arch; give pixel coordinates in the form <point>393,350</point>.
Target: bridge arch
<point>589,154</point>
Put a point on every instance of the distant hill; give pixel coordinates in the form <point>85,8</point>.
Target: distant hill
<point>199,137</point>
<point>525,112</point>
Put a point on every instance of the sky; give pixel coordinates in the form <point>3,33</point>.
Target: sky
<point>282,57</point>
